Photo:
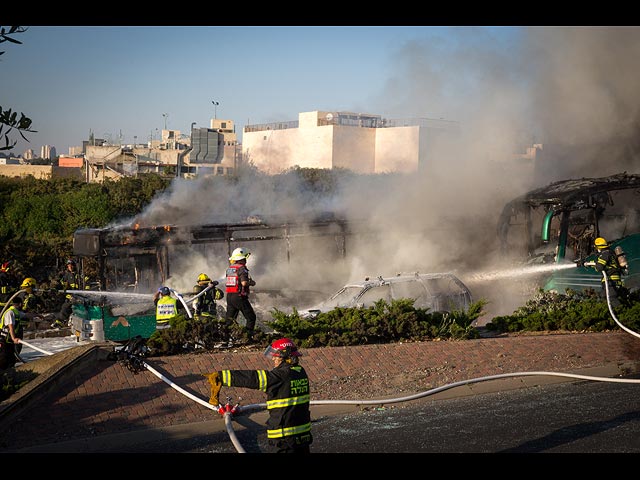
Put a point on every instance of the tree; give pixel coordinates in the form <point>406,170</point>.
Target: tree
<point>9,120</point>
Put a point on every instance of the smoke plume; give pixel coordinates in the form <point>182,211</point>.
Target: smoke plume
<point>572,91</point>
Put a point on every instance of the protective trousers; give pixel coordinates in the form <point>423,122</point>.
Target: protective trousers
<point>237,303</point>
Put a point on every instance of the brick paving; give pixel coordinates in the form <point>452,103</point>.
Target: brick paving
<point>100,396</point>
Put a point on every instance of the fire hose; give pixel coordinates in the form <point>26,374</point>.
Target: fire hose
<point>227,412</point>
<point>35,348</point>
<point>181,298</point>
<point>613,315</point>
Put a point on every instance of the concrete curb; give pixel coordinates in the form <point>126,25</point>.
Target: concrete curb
<point>48,375</point>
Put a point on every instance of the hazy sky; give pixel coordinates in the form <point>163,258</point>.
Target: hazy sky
<point>117,82</point>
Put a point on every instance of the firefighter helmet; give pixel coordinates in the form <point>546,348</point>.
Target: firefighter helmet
<point>283,348</point>
<point>28,282</point>
<point>4,267</point>
<point>164,290</point>
<point>203,277</point>
<point>71,262</point>
<point>239,254</point>
<point>600,243</point>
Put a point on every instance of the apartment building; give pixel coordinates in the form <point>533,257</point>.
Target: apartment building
<point>363,143</point>
<point>205,151</point>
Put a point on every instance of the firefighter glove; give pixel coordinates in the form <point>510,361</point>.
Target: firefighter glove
<point>216,385</point>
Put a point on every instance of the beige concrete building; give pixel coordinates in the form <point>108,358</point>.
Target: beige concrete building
<point>40,172</point>
<point>363,143</point>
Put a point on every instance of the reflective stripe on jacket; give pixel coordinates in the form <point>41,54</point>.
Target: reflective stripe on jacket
<point>608,263</point>
<point>166,309</point>
<point>4,329</point>
<point>288,395</point>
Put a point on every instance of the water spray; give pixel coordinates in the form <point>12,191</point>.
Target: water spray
<point>520,271</point>
<point>121,297</point>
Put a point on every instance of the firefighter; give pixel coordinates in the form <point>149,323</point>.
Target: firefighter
<point>238,283</point>
<point>288,396</point>
<point>607,262</point>
<point>7,283</point>
<point>11,331</point>
<point>30,301</point>
<point>61,318</point>
<point>70,279</point>
<point>166,308</point>
<point>206,304</point>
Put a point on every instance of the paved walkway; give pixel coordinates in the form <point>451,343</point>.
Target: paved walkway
<point>84,396</point>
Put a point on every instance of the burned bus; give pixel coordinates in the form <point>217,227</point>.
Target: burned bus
<point>559,222</point>
<point>139,258</point>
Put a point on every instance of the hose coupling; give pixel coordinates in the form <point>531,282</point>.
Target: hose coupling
<point>228,408</point>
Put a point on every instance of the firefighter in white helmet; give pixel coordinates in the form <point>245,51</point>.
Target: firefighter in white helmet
<point>238,284</point>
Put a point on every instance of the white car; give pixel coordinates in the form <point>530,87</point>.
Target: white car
<point>438,292</point>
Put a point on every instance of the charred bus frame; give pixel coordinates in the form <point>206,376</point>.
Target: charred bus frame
<point>148,247</point>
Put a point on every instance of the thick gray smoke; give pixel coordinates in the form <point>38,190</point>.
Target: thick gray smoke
<point>572,90</point>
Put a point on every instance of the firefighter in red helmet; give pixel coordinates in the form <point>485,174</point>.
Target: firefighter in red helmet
<point>287,389</point>
<point>8,283</point>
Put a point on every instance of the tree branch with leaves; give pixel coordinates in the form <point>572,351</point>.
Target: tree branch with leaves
<point>9,121</point>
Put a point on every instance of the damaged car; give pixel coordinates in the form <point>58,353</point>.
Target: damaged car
<point>437,292</point>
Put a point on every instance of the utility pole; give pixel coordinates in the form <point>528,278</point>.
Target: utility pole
<point>135,140</point>
<point>215,108</point>
<point>165,115</point>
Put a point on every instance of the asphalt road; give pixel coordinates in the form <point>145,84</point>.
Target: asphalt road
<point>573,417</point>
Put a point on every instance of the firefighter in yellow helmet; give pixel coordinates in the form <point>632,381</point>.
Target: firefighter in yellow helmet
<point>205,306</point>
<point>30,301</point>
<point>607,262</point>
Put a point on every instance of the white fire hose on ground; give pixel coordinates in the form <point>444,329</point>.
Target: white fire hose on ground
<point>613,315</point>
